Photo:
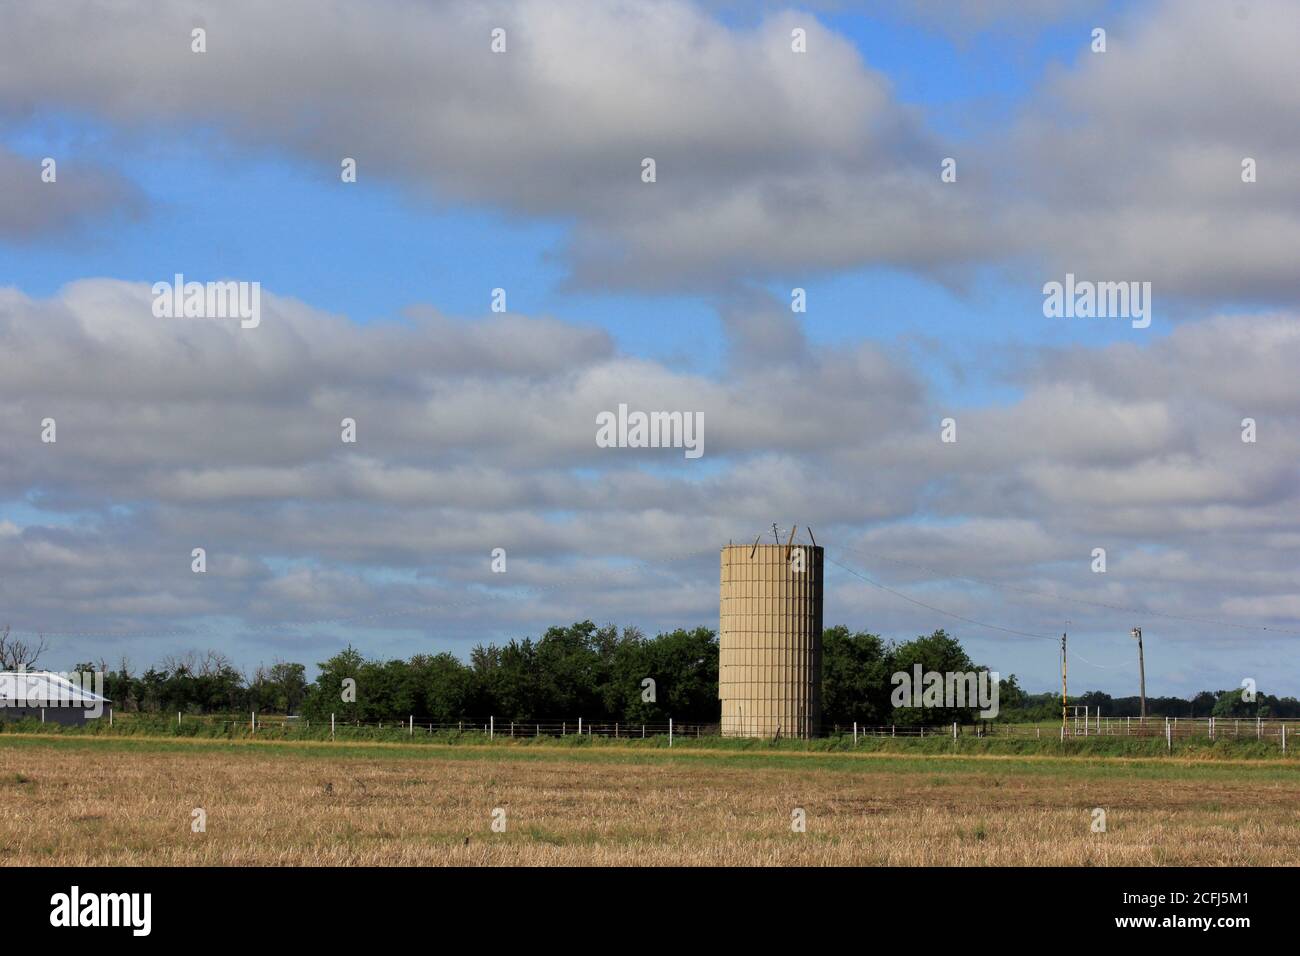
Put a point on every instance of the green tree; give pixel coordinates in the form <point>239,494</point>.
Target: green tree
<point>855,677</point>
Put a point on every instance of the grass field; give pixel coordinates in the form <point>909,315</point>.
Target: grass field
<point>71,800</point>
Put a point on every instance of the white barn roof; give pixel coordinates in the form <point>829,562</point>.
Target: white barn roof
<point>44,688</point>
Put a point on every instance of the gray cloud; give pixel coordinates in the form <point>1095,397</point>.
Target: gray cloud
<point>768,161</point>
<point>1128,165</point>
<point>176,434</point>
<point>770,164</point>
<point>33,209</point>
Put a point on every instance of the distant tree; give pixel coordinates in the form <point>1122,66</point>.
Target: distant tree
<point>290,682</point>
<point>16,655</point>
<point>936,652</point>
<point>855,677</point>
<point>448,686</point>
<point>326,695</point>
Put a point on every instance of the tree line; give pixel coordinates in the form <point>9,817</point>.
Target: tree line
<point>609,674</point>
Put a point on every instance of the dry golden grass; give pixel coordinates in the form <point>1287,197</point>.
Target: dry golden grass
<point>89,804</point>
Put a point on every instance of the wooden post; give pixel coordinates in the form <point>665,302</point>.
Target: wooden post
<point>492,727</point>
<point>110,716</point>
<point>1284,738</point>
<point>579,726</point>
<point>252,722</point>
<point>954,730</point>
<point>1169,736</point>
<point>410,725</point>
<point>855,733</point>
<point>331,725</point>
<point>670,731</point>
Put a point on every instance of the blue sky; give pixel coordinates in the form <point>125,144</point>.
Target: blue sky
<point>377,249</point>
<point>923,301</point>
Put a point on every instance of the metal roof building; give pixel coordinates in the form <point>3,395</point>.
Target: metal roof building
<point>48,697</point>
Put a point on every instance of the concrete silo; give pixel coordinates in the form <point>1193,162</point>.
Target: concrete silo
<point>770,640</point>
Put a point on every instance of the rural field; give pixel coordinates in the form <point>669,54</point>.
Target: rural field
<point>125,801</point>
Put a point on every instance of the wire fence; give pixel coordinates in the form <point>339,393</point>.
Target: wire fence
<point>281,725</point>
<point>1279,730</point>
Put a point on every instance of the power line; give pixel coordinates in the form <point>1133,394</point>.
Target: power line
<point>937,610</point>
<point>1073,600</point>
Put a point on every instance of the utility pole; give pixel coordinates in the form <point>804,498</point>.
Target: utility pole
<point>1142,671</point>
<point>1063,680</point>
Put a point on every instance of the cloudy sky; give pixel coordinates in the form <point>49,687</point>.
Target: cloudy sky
<point>775,170</point>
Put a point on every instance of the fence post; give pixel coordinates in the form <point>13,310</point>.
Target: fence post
<point>492,727</point>
<point>512,729</point>
<point>891,731</point>
<point>252,722</point>
<point>954,730</point>
<point>1258,730</point>
<point>1169,736</point>
<point>410,725</point>
<point>579,726</point>
<point>331,725</point>
<point>643,731</point>
<point>1062,733</point>
<point>616,730</point>
<point>1284,738</point>
<point>855,733</point>
<point>670,731</point>
<point>110,716</point>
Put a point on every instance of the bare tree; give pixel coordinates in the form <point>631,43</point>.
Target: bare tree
<point>18,655</point>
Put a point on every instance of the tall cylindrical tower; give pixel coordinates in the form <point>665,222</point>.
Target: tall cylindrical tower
<point>770,640</point>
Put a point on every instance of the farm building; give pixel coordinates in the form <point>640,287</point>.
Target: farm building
<point>770,640</point>
<point>49,698</point>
